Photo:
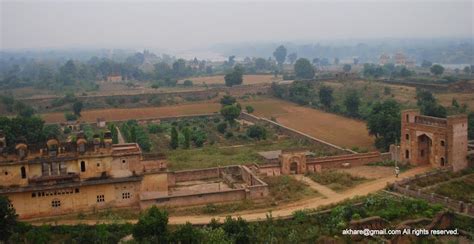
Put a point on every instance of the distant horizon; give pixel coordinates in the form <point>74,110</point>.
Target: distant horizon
<point>191,25</point>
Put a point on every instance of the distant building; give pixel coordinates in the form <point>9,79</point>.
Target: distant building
<point>384,59</point>
<point>101,122</point>
<point>400,59</point>
<point>114,78</point>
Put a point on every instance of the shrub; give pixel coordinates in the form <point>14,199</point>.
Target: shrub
<point>249,109</point>
<point>221,127</point>
<point>229,135</point>
<point>257,132</point>
<point>188,83</point>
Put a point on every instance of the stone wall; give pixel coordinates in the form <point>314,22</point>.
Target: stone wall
<point>403,187</point>
<point>295,134</point>
<point>341,161</point>
<point>191,175</point>
<point>254,190</point>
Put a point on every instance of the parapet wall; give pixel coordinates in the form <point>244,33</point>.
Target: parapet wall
<point>191,175</point>
<point>352,160</point>
<point>296,134</point>
<point>403,187</point>
<point>254,190</point>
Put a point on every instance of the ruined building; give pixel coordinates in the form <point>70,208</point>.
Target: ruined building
<point>433,141</point>
<point>82,176</point>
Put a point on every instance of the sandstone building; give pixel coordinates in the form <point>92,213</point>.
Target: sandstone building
<point>438,142</point>
<point>82,176</point>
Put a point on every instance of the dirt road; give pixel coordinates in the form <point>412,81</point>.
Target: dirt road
<point>280,211</point>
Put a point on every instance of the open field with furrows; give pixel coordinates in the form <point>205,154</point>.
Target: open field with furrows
<point>219,79</point>
<point>137,113</point>
<point>332,128</point>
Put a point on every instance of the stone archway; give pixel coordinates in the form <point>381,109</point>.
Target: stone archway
<point>294,168</point>
<point>424,149</point>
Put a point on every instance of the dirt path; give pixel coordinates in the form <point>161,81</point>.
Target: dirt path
<point>278,212</point>
<point>119,136</point>
<point>326,191</point>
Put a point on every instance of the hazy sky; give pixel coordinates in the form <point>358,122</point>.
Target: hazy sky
<point>193,24</point>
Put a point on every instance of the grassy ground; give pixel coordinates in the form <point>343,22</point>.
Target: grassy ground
<point>460,189</point>
<point>213,156</point>
<point>219,149</point>
<point>337,181</point>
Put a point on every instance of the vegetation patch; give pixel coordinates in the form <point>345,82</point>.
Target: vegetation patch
<point>459,189</point>
<point>336,180</point>
<point>286,189</point>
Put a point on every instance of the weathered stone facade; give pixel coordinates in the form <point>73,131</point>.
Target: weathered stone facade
<point>63,178</point>
<point>438,142</point>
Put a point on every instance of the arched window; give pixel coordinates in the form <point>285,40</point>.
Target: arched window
<point>407,154</point>
<point>83,166</point>
<point>442,143</point>
<point>442,161</point>
<point>407,118</point>
<point>23,172</point>
<point>407,136</point>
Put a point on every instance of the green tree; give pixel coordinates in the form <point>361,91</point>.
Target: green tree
<point>174,138</point>
<point>235,77</point>
<point>260,64</point>
<point>199,137</point>
<point>325,96</point>
<point>304,69</point>
<point>280,55</point>
<point>187,234</point>
<point>152,226</point>
<point>77,108</point>
<point>292,58</point>
<point>467,70</point>
<point>215,236</point>
<point>188,83</point>
<point>70,116</point>
<point>437,69</point>
<point>221,127</point>
<point>428,104</point>
<point>249,109</point>
<point>179,68</point>
<point>227,100</point>
<point>257,132</point>
<point>347,68</point>
<point>187,137</point>
<point>8,219</point>
<point>384,123</point>
<point>426,64</point>
<point>352,103</point>
<point>301,92</point>
<point>230,112</point>
<point>237,229</point>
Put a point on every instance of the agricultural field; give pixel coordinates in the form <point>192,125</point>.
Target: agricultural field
<point>116,114</point>
<point>336,129</point>
<point>211,143</point>
<point>219,79</point>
